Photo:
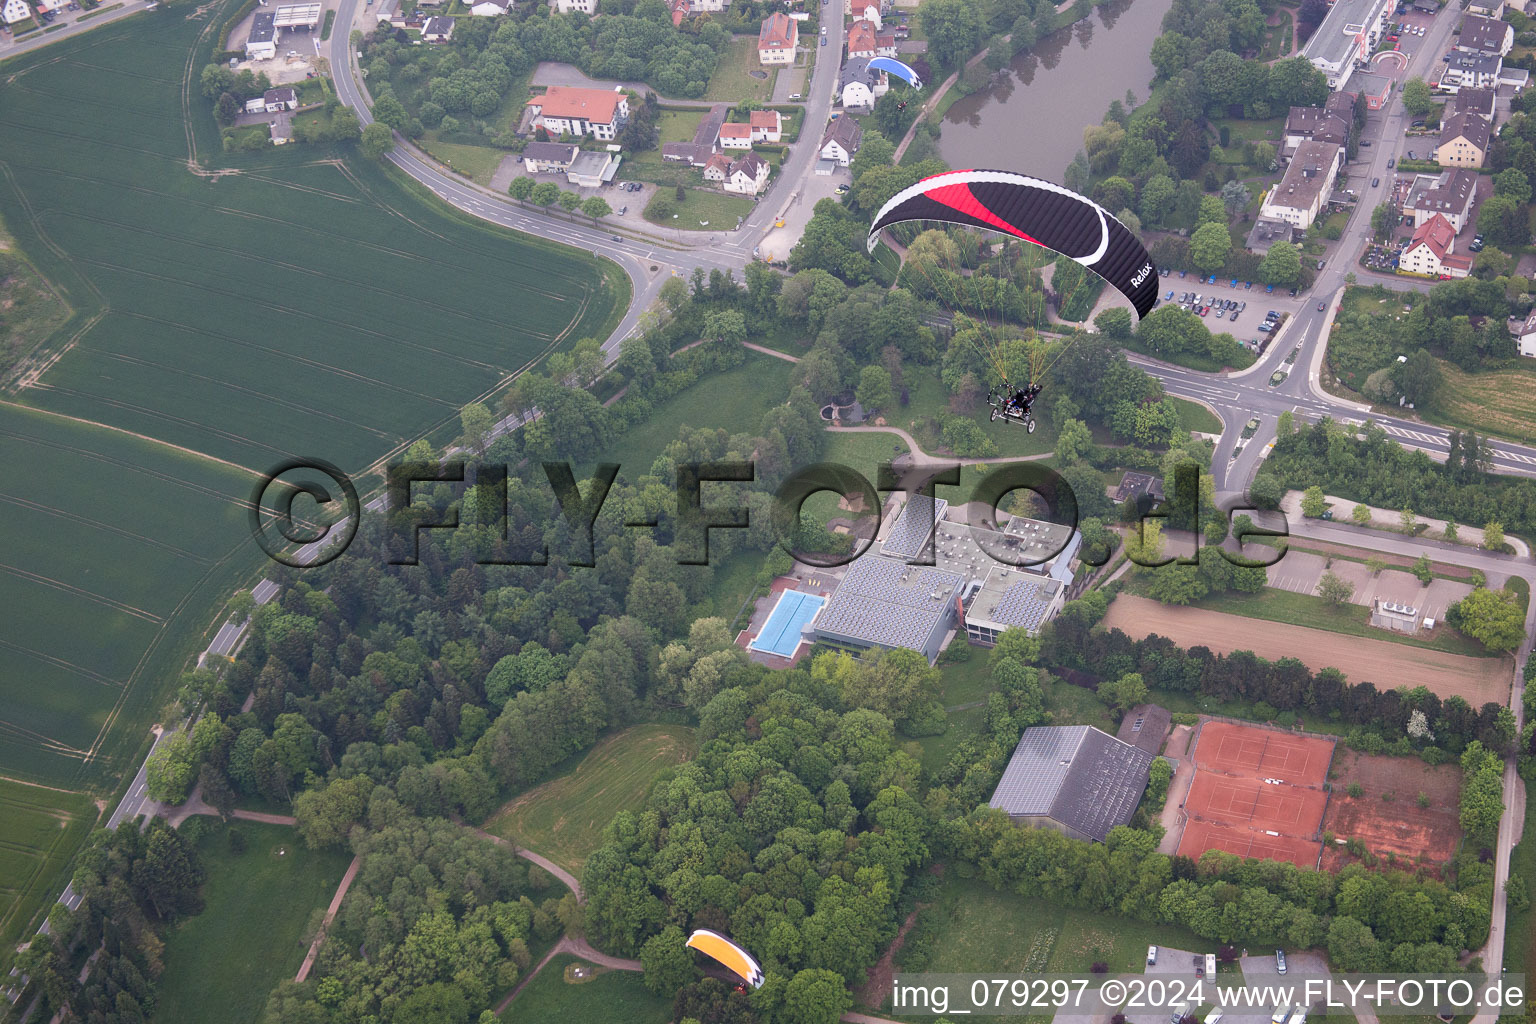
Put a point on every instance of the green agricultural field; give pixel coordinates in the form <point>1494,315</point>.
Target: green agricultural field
<point>260,906</point>
<point>298,301</point>
<point>564,818</point>
<point>610,996</point>
<point>290,303</point>
<point>117,550</point>
<point>42,829</point>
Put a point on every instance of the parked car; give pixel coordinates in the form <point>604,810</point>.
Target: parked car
<point>1265,327</point>
<point>1169,296</point>
<point>1280,960</point>
<point>823,40</point>
<point>1269,288</point>
<point>1221,314</point>
<point>1181,273</point>
<point>1199,965</point>
<point>1365,142</point>
<point>1151,955</point>
<point>1248,286</point>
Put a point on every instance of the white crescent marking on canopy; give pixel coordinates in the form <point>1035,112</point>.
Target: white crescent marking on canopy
<point>1000,177</point>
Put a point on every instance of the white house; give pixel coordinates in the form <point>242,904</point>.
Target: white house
<point>564,110</point>
<point>579,6</point>
<point>437,30</point>
<point>16,11</point>
<point>841,141</point>
<point>281,98</point>
<point>549,157</point>
<point>1487,8</point>
<point>717,167</point>
<point>767,126</point>
<point>777,39</point>
<point>1526,338</point>
<point>1431,251</point>
<point>490,8</point>
<point>1307,183</point>
<point>858,86</point>
<point>1448,194</point>
<point>735,136</point>
<point>747,175</point>
<point>1471,70</point>
<point>593,169</point>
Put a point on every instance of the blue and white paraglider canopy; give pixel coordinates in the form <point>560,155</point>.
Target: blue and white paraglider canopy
<point>892,66</point>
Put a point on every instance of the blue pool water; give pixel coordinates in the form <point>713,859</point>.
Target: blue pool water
<point>781,633</point>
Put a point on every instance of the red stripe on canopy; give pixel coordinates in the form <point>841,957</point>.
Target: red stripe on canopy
<point>960,198</point>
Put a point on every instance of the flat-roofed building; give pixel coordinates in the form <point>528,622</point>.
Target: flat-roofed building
<point>1349,32</point>
<point>261,44</point>
<point>298,16</point>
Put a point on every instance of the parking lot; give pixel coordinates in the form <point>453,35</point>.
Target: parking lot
<point>1259,302</point>
<point>1171,964</point>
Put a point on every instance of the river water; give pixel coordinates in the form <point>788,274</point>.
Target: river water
<point>1032,120</point>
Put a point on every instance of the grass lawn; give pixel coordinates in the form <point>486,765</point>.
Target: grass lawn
<point>1240,130</point>
<point>1520,926</point>
<point>731,581</point>
<point>1309,610</point>
<point>964,682</point>
<point>863,452</point>
<point>1196,417</point>
<point>564,818</point>
<point>732,83</point>
<point>982,929</point>
<point>1499,402</point>
<point>253,931</point>
<point>929,399</point>
<point>678,125</point>
<point>701,210</point>
<point>479,162</point>
<point>610,996</point>
<point>42,829</point>
<point>736,400</point>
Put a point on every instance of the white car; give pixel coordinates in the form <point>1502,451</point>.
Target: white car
<point>1151,955</point>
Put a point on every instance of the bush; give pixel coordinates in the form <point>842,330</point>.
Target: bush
<point>1355,789</point>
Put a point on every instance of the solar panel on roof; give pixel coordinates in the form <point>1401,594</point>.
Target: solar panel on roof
<point>916,522</point>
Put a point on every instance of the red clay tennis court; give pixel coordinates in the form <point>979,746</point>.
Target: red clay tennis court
<point>1265,753</point>
<point>1256,793</point>
<point>1200,836</point>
